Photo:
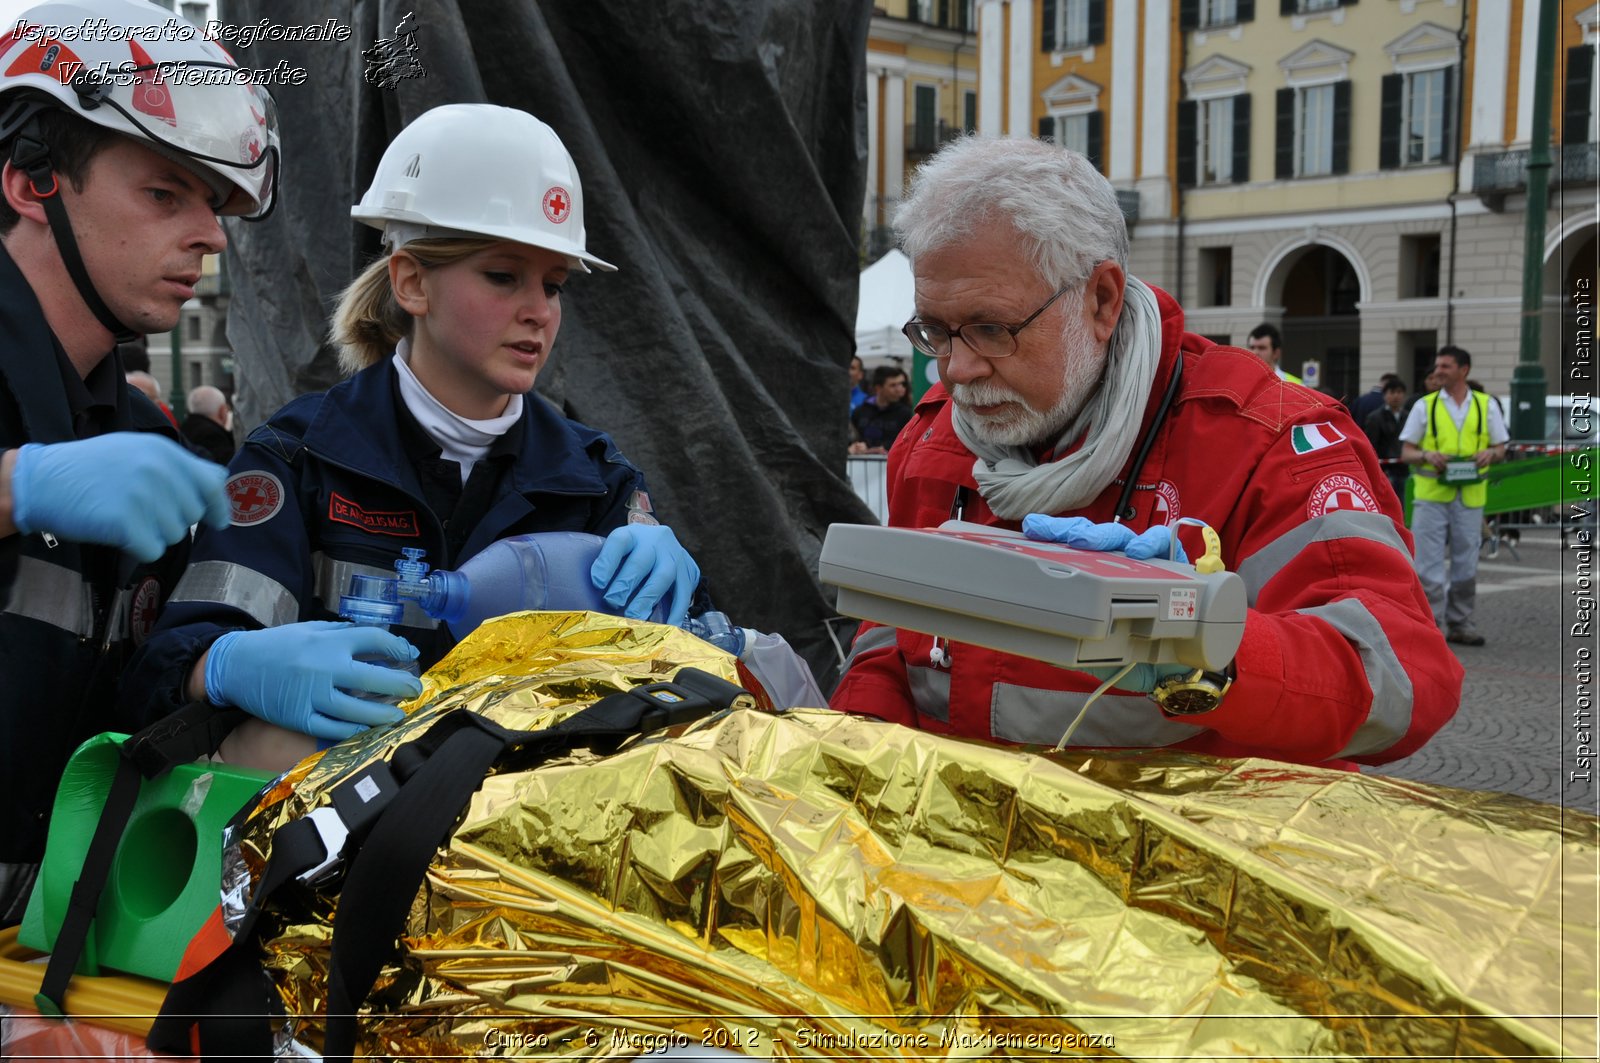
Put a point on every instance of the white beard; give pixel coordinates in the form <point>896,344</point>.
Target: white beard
<point>1020,424</point>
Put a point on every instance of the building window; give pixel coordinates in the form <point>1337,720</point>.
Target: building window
<point>1216,276</point>
<point>969,112</point>
<point>1083,132</point>
<point>1216,141</point>
<point>1073,23</point>
<point>951,14</point>
<point>1206,14</point>
<point>196,377</point>
<point>1307,7</point>
<point>1218,12</point>
<point>1419,266</point>
<point>1313,130</point>
<point>193,327</point>
<point>1422,128</point>
<point>925,112</point>
<point>1068,24</point>
<point>1580,118</point>
<point>1417,125</point>
<point>1072,131</point>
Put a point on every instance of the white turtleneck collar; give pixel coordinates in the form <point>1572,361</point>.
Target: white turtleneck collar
<point>461,439</point>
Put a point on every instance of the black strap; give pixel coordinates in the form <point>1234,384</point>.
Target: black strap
<point>383,880</point>
<point>440,771</point>
<point>31,155</point>
<point>381,884</point>
<point>85,898</point>
<point>1124,511</point>
<point>193,731</point>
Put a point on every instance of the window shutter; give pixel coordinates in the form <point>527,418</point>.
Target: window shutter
<point>1246,10</point>
<point>1097,21</point>
<point>1448,133</point>
<point>1188,14</point>
<point>1047,32</point>
<point>1580,83</point>
<point>1241,138</point>
<point>1094,137</point>
<point>1394,86</point>
<point>1188,143</point>
<point>1283,162</point>
<point>1288,7</point>
<point>1341,127</point>
<point>1047,129</point>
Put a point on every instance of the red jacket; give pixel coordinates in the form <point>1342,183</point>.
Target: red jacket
<point>1340,657</point>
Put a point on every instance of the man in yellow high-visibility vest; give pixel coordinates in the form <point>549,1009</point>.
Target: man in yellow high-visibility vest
<point>1451,436</point>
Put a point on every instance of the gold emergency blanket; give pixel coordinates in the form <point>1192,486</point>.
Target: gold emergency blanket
<point>819,886</point>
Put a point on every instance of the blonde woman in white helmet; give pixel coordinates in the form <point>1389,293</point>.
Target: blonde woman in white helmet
<point>436,441</point>
<point>110,193</point>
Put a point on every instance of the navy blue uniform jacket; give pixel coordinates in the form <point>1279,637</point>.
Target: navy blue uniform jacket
<point>70,614</point>
<point>325,490</point>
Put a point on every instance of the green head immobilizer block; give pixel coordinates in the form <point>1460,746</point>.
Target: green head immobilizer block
<point>166,876</point>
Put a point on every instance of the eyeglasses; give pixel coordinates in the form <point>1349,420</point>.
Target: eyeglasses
<point>988,339</point>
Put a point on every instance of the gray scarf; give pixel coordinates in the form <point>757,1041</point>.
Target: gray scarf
<point>1014,484</point>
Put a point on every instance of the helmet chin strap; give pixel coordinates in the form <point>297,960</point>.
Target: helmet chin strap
<point>31,155</point>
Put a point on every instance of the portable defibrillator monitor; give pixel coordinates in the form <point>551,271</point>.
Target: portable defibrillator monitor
<point>1054,603</point>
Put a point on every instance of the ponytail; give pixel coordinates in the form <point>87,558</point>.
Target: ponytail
<point>368,322</point>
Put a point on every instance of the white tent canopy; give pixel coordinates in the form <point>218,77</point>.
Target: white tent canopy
<point>888,299</point>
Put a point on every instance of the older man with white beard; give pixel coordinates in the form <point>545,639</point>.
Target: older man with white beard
<point>1073,405</point>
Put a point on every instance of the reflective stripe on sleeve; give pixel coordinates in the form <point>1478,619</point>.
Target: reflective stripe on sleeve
<point>333,582</point>
<point>53,595</point>
<point>260,597</point>
<point>1389,718</point>
<point>1258,569</point>
<point>1040,717</point>
<point>930,691</point>
<point>874,638</point>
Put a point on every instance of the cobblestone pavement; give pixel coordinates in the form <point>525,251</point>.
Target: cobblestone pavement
<point>1513,732</point>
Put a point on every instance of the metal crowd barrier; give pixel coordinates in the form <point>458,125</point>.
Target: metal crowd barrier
<point>869,475</point>
<point>1540,485</point>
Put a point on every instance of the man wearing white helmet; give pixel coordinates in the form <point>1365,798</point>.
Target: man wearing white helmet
<point>111,191</point>
<point>436,442</point>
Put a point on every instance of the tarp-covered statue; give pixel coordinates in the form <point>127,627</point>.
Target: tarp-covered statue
<point>723,164</point>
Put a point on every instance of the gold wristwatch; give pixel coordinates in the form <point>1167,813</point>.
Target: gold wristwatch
<point>1192,693</point>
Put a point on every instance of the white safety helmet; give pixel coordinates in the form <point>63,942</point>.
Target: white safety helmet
<point>142,71</point>
<point>475,169</point>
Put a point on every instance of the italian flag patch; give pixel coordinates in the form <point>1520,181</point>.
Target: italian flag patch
<point>1309,437</point>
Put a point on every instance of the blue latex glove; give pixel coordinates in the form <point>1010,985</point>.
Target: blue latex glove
<point>133,490</point>
<point>291,676</point>
<point>1085,534</point>
<point>639,564</point>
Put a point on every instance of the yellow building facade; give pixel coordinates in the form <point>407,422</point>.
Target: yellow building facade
<point>922,90</point>
<point>1349,172</point>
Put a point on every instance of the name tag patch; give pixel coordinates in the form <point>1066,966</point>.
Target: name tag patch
<point>402,522</point>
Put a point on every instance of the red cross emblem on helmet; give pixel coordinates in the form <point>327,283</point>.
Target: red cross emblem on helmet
<point>558,204</point>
